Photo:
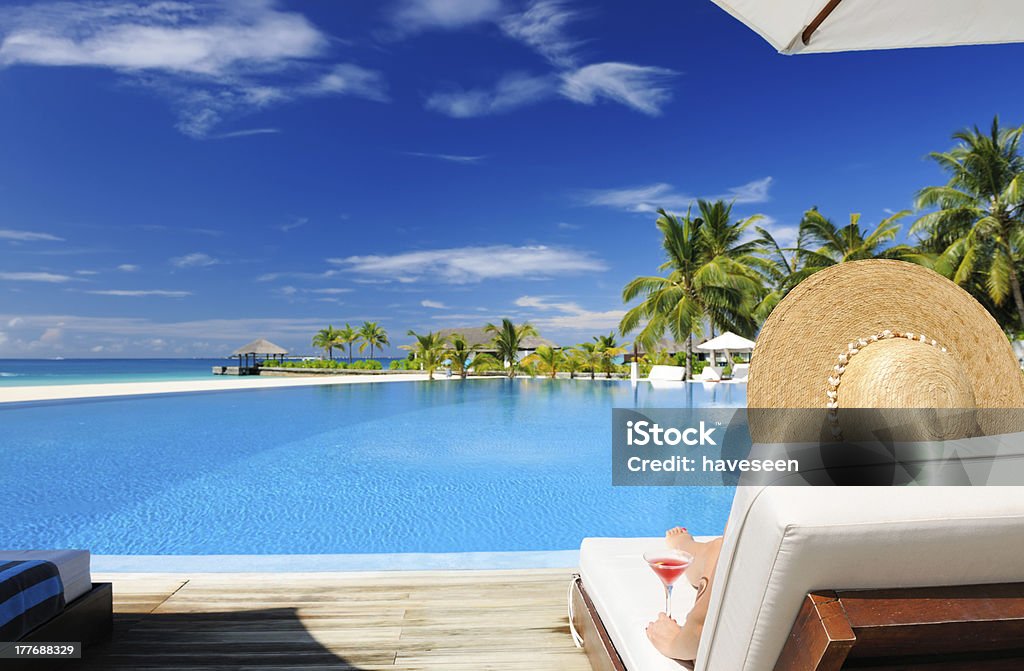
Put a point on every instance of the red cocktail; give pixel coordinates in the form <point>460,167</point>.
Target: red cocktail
<point>669,565</point>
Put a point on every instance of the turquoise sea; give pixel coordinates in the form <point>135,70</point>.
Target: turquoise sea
<point>25,372</point>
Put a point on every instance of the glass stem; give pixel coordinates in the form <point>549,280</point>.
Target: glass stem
<point>668,600</point>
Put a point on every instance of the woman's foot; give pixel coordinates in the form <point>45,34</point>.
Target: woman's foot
<point>678,538</point>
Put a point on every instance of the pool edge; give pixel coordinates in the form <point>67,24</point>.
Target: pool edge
<point>313,563</point>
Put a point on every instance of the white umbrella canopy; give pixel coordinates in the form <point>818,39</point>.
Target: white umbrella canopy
<point>818,26</point>
<point>727,341</point>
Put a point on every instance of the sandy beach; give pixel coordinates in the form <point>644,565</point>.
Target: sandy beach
<point>70,391</point>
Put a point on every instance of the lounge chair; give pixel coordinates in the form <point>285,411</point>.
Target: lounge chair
<point>812,576</point>
<point>666,374</point>
<point>740,372</point>
<point>710,374</point>
<point>76,609</point>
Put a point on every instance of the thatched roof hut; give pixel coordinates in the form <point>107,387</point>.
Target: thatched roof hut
<point>260,347</point>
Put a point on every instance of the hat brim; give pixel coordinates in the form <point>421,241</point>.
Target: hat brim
<point>801,339</point>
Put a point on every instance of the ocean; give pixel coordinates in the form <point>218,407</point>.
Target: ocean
<point>28,372</point>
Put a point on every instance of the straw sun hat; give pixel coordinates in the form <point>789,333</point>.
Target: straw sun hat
<point>882,334</point>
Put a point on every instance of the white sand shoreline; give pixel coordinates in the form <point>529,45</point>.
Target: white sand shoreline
<point>59,392</point>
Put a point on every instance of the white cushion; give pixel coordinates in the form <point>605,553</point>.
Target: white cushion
<point>740,371</point>
<point>710,374</point>
<point>669,373</point>
<point>627,596</point>
<point>782,542</point>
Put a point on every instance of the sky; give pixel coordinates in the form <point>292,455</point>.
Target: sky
<point>179,178</point>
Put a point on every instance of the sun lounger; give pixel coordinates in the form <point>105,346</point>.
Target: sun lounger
<point>794,555</point>
<point>82,611</point>
<point>666,374</point>
<point>710,374</point>
<point>740,371</point>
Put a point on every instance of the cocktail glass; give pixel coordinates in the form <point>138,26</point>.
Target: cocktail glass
<point>669,565</point>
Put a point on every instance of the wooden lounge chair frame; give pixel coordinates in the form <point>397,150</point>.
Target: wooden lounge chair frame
<point>962,628</point>
<point>87,620</point>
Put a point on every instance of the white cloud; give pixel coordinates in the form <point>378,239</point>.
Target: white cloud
<point>209,39</point>
<point>751,192</point>
<point>52,278</point>
<point>561,315</point>
<point>214,60</point>
<point>661,195</point>
<point>15,322</point>
<point>413,16</point>
<point>247,132</point>
<point>644,88</point>
<point>27,236</point>
<point>350,79</point>
<point>86,272</point>
<point>134,334</point>
<point>331,291</point>
<point>194,260</point>
<point>542,27</point>
<point>433,305</point>
<point>566,226</point>
<point>511,92</point>
<point>462,265</point>
<point>270,277</point>
<point>453,158</point>
<point>128,268</point>
<point>51,336</point>
<point>140,293</point>
<point>297,222</point>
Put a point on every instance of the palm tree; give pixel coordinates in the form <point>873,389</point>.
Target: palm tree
<point>848,243</point>
<point>507,340</point>
<point>781,268</point>
<point>326,339</point>
<point>571,363</point>
<point>711,276</point>
<point>609,349</point>
<point>346,337</point>
<point>459,353</point>
<point>429,349</point>
<point>484,362</point>
<point>548,359</point>
<point>373,335</point>
<point>590,357</point>
<point>977,230</point>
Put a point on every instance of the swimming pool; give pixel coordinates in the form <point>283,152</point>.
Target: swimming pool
<point>448,466</point>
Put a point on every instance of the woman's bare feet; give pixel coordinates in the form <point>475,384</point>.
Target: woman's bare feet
<point>678,538</point>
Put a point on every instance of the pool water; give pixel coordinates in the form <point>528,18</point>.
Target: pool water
<point>448,466</point>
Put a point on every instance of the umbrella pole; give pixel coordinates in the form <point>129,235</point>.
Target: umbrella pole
<point>830,7</point>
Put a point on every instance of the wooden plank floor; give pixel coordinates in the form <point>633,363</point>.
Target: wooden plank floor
<point>424,620</point>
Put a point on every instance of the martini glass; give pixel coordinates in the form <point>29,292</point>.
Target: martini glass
<point>669,565</point>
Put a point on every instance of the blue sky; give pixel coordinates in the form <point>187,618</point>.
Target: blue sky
<point>177,178</point>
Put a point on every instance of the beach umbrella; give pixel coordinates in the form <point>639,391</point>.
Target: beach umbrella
<point>727,342</point>
<point>816,26</point>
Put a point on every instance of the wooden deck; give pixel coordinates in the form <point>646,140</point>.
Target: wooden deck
<point>344,621</point>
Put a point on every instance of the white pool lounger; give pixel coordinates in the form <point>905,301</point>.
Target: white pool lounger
<point>784,543</point>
